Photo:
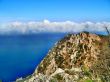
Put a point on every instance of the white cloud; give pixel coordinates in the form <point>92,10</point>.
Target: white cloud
<point>48,26</point>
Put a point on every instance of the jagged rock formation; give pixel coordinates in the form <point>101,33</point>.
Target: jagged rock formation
<point>82,57</point>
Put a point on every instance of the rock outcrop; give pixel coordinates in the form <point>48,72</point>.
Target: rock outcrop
<point>82,57</point>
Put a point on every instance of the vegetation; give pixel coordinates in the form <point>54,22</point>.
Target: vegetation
<point>83,57</point>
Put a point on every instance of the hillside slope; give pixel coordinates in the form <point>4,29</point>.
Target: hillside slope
<point>82,57</point>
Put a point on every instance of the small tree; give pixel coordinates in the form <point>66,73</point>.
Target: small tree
<point>108,34</point>
<point>107,30</point>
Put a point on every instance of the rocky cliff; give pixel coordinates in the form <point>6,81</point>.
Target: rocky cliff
<point>82,57</point>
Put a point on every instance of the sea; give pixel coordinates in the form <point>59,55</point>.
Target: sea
<point>20,54</point>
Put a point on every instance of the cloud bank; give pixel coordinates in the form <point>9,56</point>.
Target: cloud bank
<point>52,27</point>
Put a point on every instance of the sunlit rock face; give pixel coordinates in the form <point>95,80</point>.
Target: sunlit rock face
<point>82,57</point>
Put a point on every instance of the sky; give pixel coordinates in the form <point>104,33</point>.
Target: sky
<point>55,10</point>
<point>36,16</point>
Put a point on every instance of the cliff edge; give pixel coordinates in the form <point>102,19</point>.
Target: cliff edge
<point>82,57</point>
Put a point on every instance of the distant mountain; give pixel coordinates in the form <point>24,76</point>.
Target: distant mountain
<point>82,57</point>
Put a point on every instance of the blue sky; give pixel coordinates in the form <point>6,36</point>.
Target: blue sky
<point>55,10</point>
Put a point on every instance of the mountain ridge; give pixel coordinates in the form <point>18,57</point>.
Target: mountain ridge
<point>82,57</point>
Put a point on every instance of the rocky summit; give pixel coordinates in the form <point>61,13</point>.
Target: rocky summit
<point>82,57</point>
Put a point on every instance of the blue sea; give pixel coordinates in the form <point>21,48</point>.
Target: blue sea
<point>20,54</point>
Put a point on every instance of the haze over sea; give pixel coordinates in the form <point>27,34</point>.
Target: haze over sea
<point>24,44</point>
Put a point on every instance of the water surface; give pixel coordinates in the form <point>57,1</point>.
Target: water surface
<point>20,54</point>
